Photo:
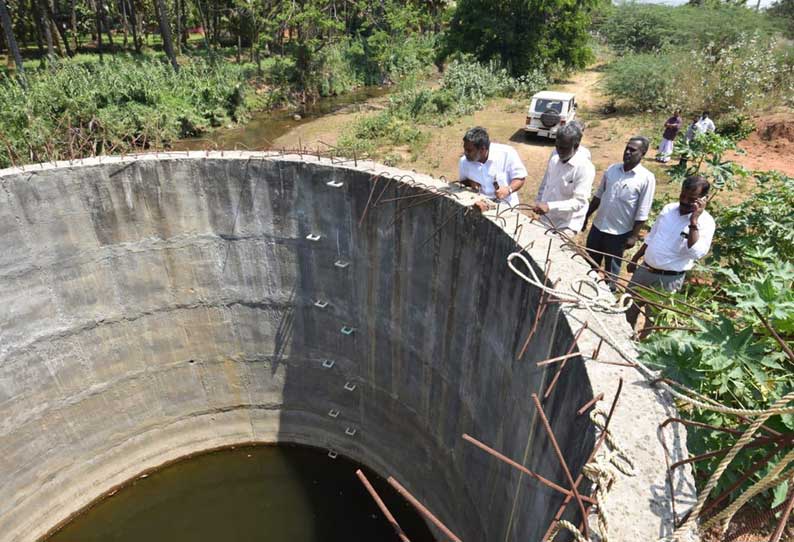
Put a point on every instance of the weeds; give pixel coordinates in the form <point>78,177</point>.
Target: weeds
<point>80,108</point>
<point>465,88</point>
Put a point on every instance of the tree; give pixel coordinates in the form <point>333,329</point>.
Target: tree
<point>165,32</point>
<point>783,10</point>
<point>8,30</point>
<point>522,34</point>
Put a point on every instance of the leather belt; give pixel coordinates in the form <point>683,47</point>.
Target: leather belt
<point>663,271</point>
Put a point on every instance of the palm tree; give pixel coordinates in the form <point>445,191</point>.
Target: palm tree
<point>165,32</point>
<point>8,30</point>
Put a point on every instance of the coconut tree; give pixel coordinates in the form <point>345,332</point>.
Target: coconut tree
<point>8,30</point>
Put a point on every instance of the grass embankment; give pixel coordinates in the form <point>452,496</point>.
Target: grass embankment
<point>83,106</point>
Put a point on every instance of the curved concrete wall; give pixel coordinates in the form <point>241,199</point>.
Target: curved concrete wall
<point>152,307</point>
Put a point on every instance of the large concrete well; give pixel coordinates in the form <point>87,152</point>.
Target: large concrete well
<point>157,306</point>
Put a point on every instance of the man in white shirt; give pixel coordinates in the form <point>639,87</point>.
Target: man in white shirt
<point>705,124</point>
<point>623,200</point>
<point>681,235</point>
<point>565,189</point>
<point>493,169</point>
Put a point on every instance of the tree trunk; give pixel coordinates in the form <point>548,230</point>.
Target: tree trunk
<point>134,16</point>
<point>98,18</point>
<point>59,35</point>
<point>73,22</point>
<point>8,30</point>
<point>124,23</point>
<point>104,20</point>
<point>204,26</point>
<point>44,28</point>
<point>165,32</point>
<point>178,28</point>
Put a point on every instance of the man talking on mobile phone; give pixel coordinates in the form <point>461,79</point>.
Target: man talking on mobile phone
<point>681,235</point>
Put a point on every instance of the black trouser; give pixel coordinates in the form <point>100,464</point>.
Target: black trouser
<point>613,246</point>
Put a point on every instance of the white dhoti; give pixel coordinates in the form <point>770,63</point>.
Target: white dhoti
<point>665,150</point>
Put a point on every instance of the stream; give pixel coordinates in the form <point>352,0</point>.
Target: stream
<point>265,127</point>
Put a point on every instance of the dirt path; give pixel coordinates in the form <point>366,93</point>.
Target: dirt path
<point>504,118</point>
<point>605,136</point>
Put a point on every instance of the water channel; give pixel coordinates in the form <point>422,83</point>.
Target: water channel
<point>265,127</point>
<point>248,494</point>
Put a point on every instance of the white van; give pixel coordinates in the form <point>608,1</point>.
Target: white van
<point>548,111</point>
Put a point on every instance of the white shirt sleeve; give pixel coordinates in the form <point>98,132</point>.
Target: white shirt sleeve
<point>655,228</point>
<point>542,187</point>
<point>462,168</point>
<point>582,186</point>
<point>706,229</point>
<point>515,168</point>
<point>646,199</point>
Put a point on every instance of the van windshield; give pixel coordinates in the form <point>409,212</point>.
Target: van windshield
<point>543,105</point>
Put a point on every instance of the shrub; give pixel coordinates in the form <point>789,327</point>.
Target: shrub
<point>642,80</point>
<point>87,107</point>
<point>464,88</point>
<point>752,72</point>
<point>736,126</point>
<point>644,28</point>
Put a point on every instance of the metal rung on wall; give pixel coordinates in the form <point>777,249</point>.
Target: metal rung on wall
<point>313,237</point>
<point>320,304</point>
<point>350,386</point>
<point>347,330</point>
<point>332,454</point>
<point>335,184</point>
<point>341,264</point>
<point>334,413</point>
<point>350,431</point>
<point>328,363</point>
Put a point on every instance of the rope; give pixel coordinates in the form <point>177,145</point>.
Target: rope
<point>603,300</point>
<point>775,477</point>
<point>608,304</point>
<point>602,472</point>
<point>740,444</point>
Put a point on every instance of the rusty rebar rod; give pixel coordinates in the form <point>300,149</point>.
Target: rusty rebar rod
<point>422,509</point>
<point>597,350</point>
<point>384,510</point>
<point>590,403</point>
<point>558,359</point>
<point>757,443</point>
<point>535,476</point>
<point>598,444</point>
<point>539,312</point>
<point>784,518</point>
<point>554,380</point>
<point>561,458</point>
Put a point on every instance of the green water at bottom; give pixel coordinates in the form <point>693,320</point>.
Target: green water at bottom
<point>261,493</point>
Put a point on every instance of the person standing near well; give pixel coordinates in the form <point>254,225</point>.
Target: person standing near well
<point>671,128</point>
<point>623,201</point>
<point>680,236</point>
<point>565,189</point>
